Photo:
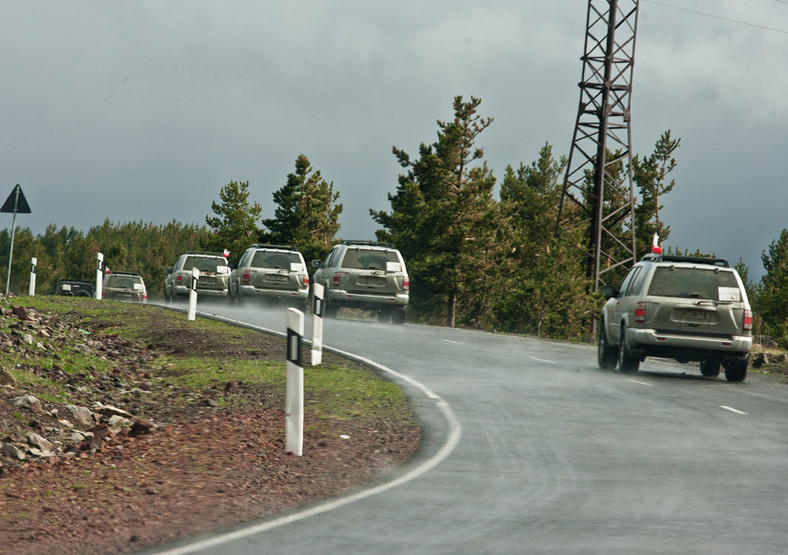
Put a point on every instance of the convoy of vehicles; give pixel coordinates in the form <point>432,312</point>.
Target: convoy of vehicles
<point>685,308</point>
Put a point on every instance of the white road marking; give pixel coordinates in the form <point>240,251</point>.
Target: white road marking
<point>542,360</point>
<point>640,383</point>
<point>450,341</point>
<point>736,411</point>
<point>453,438</point>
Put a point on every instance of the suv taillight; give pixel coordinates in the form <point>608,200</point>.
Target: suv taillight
<point>306,280</point>
<point>747,320</point>
<point>640,313</point>
<point>405,284</point>
<point>179,278</point>
<point>246,277</point>
<point>335,279</point>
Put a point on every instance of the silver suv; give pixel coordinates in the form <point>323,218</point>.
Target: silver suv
<point>686,308</point>
<point>212,283</point>
<point>124,286</point>
<point>365,275</point>
<point>270,272</point>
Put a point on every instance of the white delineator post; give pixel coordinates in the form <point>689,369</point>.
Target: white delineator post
<point>193,294</point>
<point>317,323</point>
<point>294,437</point>
<point>99,276</point>
<point>32,289</point>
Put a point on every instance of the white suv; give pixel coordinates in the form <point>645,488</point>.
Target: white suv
<point>270,273</point>
<point>686,308</point>
<point>212,282</point>
<point>365,275</point>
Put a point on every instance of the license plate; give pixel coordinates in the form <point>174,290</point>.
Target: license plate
<point>689,314</point>
<point>371,280</point>
<point>208,280</point>
<point>276,277</point>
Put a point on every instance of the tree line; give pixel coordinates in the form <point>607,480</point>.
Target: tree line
<point>477,257</point>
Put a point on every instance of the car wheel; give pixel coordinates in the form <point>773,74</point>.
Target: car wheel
<point>710,368</point>
<point>606,354</point>
<point>736,369</point>
<point>330,311</point>
<point>398,316</point>
<point>626,362</point>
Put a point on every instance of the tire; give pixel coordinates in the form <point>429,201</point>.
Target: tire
<point>710,368</point>
<point>736,369</point>
<point>627,364</point>
<point>330,311</point>
<point>398,316</point>
<point>606,354</point>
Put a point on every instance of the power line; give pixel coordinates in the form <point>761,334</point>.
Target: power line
<point>730,20</point>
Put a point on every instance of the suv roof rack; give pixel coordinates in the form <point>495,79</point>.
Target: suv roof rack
<point>722,262</point>
<point>370,243</point>
<point>123,273</point>
<point>267,246</point>
<point>206,253</point>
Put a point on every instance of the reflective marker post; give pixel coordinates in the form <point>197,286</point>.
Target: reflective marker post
<point>294,440</point>
<point>32,289</point>
<point>99,283</point>
<point>317,324</point>
<point>193,294</point>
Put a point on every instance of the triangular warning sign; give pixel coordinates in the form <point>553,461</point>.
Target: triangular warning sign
<point>16,202</point>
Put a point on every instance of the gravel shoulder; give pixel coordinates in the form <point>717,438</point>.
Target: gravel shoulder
<point>187,460</point>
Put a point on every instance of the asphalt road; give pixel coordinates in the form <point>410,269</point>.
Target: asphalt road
<point>530,448</point>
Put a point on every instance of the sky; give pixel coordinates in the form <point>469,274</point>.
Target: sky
<point>144,110</point>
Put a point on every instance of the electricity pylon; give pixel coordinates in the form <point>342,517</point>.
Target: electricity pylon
<point>601,145</point>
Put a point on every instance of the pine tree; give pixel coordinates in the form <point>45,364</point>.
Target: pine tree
<point>771,299</point>
<point>307,212</point>
<point>443,218</point>
<point>234,226</point>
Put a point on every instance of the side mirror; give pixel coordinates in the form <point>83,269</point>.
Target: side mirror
<point>608,291</point>
<point>316,264</point>
<point>167,271</point>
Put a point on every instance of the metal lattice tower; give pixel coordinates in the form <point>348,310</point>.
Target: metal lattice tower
<point>601,145</point>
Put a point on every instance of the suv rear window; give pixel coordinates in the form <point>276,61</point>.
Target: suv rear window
<point>358,259</point>
<point>263,259</point>
<point>123,281</point>
<point>203,263</point>
<point>694,283</point>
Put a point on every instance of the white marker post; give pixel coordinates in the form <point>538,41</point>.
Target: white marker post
<point>294,437</point>
<point>317,324</point>
<point>99,277</point>
<point>193,294</point>
<point>32,289</point>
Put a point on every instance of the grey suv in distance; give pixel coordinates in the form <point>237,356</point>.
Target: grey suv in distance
<point>212,283</point>
<point>124,286</point>
<point>365,275</point>
<point>686,308</point>
<point>270,273</point>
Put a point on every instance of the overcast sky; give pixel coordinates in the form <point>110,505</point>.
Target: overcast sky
<point>143,110</point>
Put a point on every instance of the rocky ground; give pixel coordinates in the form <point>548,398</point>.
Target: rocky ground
<point>133,462</point>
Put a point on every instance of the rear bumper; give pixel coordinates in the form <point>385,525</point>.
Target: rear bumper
<point>341,297</point>
<point>183,291</point>
<point>288,294</point>
<point>649,342</point>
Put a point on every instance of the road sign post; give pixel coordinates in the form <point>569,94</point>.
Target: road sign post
<point>32,289</point>
<point>16,203</point>
<point>317,323</point>
<point>294,431</point>
<point>99,275</point>
<point>193,294</point>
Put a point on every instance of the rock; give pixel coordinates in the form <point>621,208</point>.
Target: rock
<point>759,360</point>
<point>13,451</point>
<point>39,441</point>
<point>6,377</point>
<point>20,312</point>
<point>117,422</point>
<point>82,416</point>
<point>109,410</point>
<point>779,359</point>
<point>141,427</point>
<point>27,402</point>
<point>27,338</point>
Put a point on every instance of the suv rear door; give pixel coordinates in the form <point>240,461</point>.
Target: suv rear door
<point>695,301</point>
<point>277,269</point>
<point>371,271</point>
